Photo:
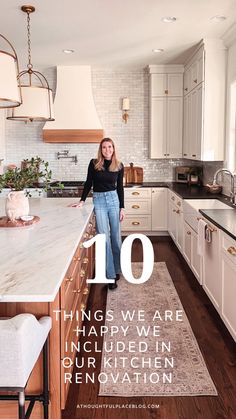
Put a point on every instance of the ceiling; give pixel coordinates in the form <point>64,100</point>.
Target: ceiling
<point>113,33</point>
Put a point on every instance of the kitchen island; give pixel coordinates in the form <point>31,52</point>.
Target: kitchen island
<point>44,268</point>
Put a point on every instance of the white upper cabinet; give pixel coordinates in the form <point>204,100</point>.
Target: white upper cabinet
<point>204,102</point>
<point>167,84</point>
<point>166,111</point>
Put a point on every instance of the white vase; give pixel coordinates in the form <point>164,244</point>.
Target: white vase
<point>17,205</point>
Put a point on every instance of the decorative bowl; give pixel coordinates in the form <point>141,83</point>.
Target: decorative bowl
<point>214,188</point>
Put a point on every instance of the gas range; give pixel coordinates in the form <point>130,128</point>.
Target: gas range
<point>71,188</point>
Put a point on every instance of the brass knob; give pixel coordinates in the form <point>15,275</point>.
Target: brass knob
<point>177,211</point>
<point>166,92</point>
<point>195,81</point>
<point>194,155</point>
<point>69,279</point>
<point>82,306</point>
<point>82,273</point>
<point>135,223</point>
<point>135,193</point>
<point>186,89</point>
<point>78,291</point>
<point>85,291</point>
<point>232,250</point>
<point>67,363</point>
<point>189,233</point>
<point>85,260</point>
<point>90,224</point>
<point>135,206</point>
<point>81,246</point>
<point>185,154</point>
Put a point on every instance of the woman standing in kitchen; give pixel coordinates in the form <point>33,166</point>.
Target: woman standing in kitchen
<point>105,175</point>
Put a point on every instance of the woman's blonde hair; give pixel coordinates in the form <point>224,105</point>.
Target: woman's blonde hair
<point>99,162</point>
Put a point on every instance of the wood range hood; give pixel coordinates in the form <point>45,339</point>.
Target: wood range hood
<point>76,119</point>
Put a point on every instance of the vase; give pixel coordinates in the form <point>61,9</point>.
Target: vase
<point>17,205</point>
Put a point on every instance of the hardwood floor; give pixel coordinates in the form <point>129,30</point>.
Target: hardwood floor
<point>216,344</point>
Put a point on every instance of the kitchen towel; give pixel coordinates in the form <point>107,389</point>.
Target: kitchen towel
<point>201,230</point>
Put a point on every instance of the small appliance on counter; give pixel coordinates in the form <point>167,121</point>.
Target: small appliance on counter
<point>133,174</point>
<point>192,175</point>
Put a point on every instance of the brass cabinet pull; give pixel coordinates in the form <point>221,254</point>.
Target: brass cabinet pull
<point>85,260</point>
<point>186,89</point>
<point>177,211</point>
<point>194,155</point>
<point>195,80</point>
<point>135,193</point>
<point>166,92</point>
<point>69,279</point>
<point>85,291</point>
<point>78,291</point>
<point>232,250</point>
<point>189,233</point>
<point>135,223</point>
<point>135,206</point>
<point>167,154</point>
<point>82,273</point>
<point>82,306</point>
<point>185,154</point>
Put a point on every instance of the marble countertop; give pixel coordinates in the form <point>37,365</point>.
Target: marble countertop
<point>34,259</point>
<point>225,219</point>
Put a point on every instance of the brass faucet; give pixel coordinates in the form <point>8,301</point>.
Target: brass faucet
<point>228,172</point>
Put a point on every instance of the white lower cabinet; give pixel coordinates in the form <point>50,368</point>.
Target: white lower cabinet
<point>175,219</point>
<point>228,277</point>
<point>159,209</point>
<point>211,267</point>
<point>146,210</point>
<point>190,250</point>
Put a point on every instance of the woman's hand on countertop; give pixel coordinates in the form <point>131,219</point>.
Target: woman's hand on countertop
<point>76,205</point>
<point>122,214</point>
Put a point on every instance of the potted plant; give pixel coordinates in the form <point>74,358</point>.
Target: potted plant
<point>18,179</point>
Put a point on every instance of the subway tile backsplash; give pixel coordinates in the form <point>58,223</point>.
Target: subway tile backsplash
<point>109,87</point>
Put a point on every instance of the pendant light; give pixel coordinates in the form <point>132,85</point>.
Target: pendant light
<point>36,94</point>
<point>10,92</point>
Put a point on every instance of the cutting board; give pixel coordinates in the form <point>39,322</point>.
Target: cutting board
<point>133,174</point>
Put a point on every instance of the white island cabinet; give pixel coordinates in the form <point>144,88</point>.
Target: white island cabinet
<point>44,268</point>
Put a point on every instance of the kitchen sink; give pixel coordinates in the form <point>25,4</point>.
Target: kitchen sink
<point>206,204</point>
<point>192,206</point>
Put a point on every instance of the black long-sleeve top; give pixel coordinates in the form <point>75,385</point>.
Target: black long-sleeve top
<point>104,181</point>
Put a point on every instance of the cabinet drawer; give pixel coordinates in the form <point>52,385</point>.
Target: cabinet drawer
<point>229,247</point>
<point>134,193</point>
<point>137,223</point>
<point>176,200</point>
<point>138,206</point>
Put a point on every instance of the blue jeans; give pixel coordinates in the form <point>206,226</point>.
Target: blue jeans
<point>107,211</point>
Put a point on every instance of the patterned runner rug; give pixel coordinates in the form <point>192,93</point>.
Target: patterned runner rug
<point>150,349</point>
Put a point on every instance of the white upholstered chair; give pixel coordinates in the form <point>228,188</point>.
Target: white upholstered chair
<point>22,338</point>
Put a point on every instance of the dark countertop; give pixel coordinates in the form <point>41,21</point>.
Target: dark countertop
<point>225,219</point>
